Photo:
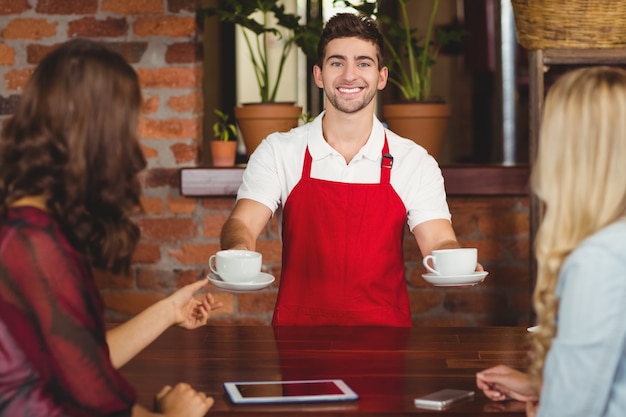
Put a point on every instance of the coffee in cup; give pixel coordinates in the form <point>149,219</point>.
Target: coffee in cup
<point>234,265</point>
<point>450,262</point>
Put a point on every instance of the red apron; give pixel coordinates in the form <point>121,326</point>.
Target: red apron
<point>342,253</point>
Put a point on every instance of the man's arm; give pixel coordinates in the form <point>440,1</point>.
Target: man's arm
<point>435,234</point>
<point>244,225</point>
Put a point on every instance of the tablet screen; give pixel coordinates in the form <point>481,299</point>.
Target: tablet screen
<point>289,391</point>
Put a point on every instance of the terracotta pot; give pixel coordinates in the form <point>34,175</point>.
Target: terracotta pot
<point>424,123</point>
<point>256,121</point>
<point>223,153</point>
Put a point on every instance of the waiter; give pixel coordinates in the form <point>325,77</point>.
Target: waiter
<point>347,187</point>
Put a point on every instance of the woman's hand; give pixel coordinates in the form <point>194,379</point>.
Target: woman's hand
<point>182,401</point>
<point>191,312</point>
<point>503,383</point>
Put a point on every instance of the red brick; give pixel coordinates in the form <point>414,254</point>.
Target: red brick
<point>149,152</point>
<point>67,6</point>
<point>170,26</point>
<point>182,205</point>
<point>7,55</point>
<point>110,281</point>
<point>167,228</point>
<point>176,6</point>
<point>155,278</point>
<point>13,6</point>
<point>488,249</point>
<point>212,224</point>
<point>272,250</point>
<point>16,79</point>
<point>228,299</point>
<point>168,129</point>
<point>519,249</point>
<point>131,51</point>
<point>466,300</point>
<point>133,7</point>
<point>170,77</point>
<point>152,205</point>
<point>161,177</point>
<point>184,53</point>
<point>189,276</point>
<point>29,29</point>
<point>504,224</point>
<point>410,249</point>
<point>218,203</point>
<point>463,222</point>
<point>130,302</point>
<point>195,253</point>
<point>185,153</point>
<point>190,102</point>
<point>146,253</point>
<point>424,300</point>
<point>150,104</point>
<point>262,302</point>
<point>36,52</point>
<point>92,27</point>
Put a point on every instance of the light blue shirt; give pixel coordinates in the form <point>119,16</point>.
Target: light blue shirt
<point>585,370</point>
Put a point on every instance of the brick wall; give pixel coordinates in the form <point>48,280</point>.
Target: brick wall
<point>159,38</point>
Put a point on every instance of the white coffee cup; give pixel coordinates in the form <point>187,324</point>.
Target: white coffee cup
<point>234,265</point>
<point>450,262</point>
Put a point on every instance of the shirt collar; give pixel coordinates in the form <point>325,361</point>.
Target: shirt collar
<point>319,148</point>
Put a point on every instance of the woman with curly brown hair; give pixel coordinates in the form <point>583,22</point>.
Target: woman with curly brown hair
<point>579,356</point>
<point>69,161</point>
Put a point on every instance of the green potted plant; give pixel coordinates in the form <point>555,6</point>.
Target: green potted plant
<point>224,145</point>
<point>410,62</point>
<point>262,21</point>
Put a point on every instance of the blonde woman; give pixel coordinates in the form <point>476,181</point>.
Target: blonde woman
<point>579,356</point>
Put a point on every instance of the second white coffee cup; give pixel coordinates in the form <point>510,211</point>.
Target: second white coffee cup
<point>235,265</point>
<point>450,262</point>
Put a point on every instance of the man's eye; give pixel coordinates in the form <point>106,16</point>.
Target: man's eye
<point>335,64</point>
<point>365,64</point>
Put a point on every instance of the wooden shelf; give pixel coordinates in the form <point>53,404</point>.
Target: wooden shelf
<point>584,56</point>
<point>460,180</point>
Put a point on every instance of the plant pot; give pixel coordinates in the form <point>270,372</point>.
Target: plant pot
<point>256,121</point>
<point>424,123</point>
<point>223,153</point>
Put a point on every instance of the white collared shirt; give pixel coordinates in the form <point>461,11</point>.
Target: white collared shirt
<point>275,168</point>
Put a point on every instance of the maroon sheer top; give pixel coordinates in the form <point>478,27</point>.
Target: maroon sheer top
<point>54,360</point>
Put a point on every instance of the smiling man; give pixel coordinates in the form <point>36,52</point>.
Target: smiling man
<point>347,188</point>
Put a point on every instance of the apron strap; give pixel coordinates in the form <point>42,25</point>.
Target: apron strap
<point>385,164</point>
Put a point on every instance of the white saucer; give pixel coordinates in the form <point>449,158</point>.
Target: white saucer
<point>455,280</point>
<point>261,281</point>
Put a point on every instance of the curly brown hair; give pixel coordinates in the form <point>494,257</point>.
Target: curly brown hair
<point>73,140</point>
<point>348,25</point>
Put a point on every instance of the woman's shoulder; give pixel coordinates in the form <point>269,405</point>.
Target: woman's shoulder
<point>606,247</point>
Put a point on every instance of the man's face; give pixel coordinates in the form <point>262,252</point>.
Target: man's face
<point>350,76</point>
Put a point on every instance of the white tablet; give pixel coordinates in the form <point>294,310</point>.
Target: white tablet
<point>266,392</point>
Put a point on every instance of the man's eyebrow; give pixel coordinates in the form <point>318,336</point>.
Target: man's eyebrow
<point>356,58</point>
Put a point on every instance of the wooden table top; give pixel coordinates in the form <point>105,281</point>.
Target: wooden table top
<point>387,367</point>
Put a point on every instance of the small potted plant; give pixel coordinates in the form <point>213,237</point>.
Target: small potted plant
<point>264,21</point>
<point>224,145</point>
<point>410,70</point>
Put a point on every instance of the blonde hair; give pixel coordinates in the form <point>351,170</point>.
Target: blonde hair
<point>580,176</point>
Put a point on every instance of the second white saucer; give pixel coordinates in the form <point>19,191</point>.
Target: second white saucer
<point>261,281</point>
<point>455,280</point>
